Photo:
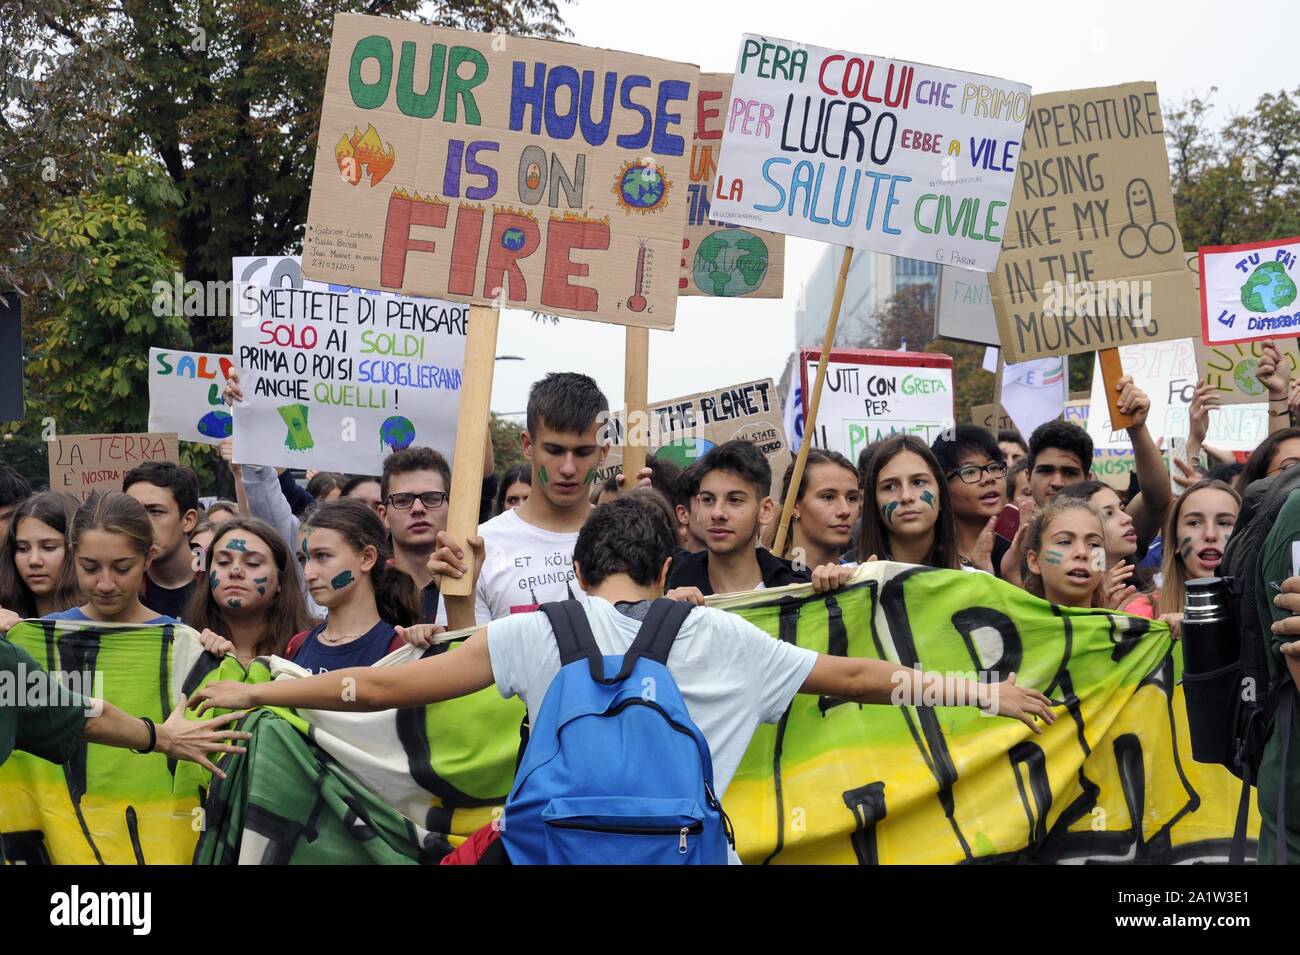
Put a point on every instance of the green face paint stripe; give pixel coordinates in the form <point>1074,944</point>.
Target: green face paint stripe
<point>260,580</point>
<point>342,580</point>
<point>212,579</point>
<point>888,511</point>
<point>1185,548</point>
<point>1052,556</point>
<point>541,473</point>
<point>928,498</point>
<point>590,478</point>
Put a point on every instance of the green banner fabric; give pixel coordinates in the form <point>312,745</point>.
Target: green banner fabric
<point>110,805</point>
<point>834,782</point>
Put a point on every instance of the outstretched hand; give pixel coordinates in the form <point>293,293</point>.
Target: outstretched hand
<point>1020,703</point>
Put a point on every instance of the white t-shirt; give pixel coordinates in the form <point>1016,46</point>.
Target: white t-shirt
<point>523,566</point>
<point>732,676</point>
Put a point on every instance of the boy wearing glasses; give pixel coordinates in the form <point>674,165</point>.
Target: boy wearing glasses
<point>413,505</point>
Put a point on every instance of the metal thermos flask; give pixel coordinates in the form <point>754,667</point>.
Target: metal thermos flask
<point>1210,637</point>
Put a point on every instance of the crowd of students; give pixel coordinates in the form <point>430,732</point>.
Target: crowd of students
<point>338,575</point>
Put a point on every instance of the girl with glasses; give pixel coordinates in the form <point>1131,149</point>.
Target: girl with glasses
<point>976,480</point>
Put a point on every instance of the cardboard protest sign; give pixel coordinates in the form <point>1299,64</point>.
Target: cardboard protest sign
<point>964,307</point>
<point>185,394</point>
<point>518,172</point>
<point>336,380</point>
<point>1232,369</point>
<point>717,259</point>
<point>870,395</point>
<point>1167,372</point>
<point>83,463</point>
<point>684,429</point>
<point>991,417</point>
<point>1091,255</point>
<point>860,150</point>
<point>1248,291</point>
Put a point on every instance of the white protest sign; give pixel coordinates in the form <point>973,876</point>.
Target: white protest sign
<point>1167,372</point>
<point>1034,391</point>
<point>337,378</point>
<point>185,394</point>
<point>860,150</point>
<point>1249,291</point>
<point>964,311</point>
<point>870,395</point>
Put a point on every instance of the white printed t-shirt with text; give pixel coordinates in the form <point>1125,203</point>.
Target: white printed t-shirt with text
<point>523,566</point>
<point>732,675</point>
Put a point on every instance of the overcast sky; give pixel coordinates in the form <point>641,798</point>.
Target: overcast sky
<point>1185,48</point>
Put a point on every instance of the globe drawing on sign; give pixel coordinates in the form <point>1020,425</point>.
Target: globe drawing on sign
<point>641,187</point>
<point>684,452</point>
<point>512,239</point>
<point>1268,288</point>
<point>1246,375</point>
<point>730,262</point>
<point>216,424</point>
<point>397,432</point>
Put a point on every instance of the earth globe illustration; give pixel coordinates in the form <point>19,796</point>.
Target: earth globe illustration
<point>1246,375</point>
<point>1268,288</point>
<point>730,262</point>
<point>397,432</point>
<point>641,186</point>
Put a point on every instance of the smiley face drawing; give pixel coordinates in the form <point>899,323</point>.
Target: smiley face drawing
<point>1143,232</point>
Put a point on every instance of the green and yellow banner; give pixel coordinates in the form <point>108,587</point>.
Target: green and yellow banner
<point>833,782</point>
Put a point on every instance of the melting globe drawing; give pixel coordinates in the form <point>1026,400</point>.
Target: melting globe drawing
<point>684,451</point>
<point>641,187</point>
<point>397,432</point>
<point>730,262</point>
<point>216,424</point>
<point>1268,288</point>
<point>512,239</point>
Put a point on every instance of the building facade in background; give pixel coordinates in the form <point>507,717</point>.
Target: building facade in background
<point>873,278</point>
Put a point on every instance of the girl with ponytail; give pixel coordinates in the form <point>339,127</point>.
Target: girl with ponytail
<point>348,571</point>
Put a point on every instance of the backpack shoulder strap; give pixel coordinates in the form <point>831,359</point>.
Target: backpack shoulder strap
<point>573,636</point>
<point>658,632</point>
<point>295,644</point>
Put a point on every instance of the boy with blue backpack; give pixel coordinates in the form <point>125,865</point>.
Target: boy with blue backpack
<point>641,708</point>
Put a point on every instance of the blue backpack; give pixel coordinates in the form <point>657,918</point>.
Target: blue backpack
<point>615,772</point>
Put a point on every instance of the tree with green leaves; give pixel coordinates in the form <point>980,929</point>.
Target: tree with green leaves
<point>226,96</point>
<point>1240,183</point>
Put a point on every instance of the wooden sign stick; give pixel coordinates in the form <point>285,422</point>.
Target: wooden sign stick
<point>1112,370</point>
<point>636,376</point>
<point>997,396</point>
<point>810,424</point>
<point>471,437</point>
